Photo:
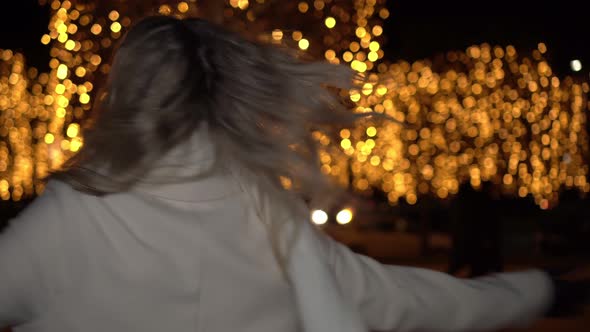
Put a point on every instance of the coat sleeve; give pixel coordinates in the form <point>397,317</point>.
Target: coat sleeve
<point>17,276</point>
<point>403,299</point>
<point>25,247</point>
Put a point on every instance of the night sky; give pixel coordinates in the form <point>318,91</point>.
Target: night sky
<point>22,23</point>
<point>415,29</point>
<point>421,29</point>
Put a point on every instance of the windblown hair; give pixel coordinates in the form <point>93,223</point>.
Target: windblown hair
<point>169,76</point>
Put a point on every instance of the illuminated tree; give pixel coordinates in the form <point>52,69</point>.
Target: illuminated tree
<point>22,115</point>
<point>486,114</point>
<point>481,115</point>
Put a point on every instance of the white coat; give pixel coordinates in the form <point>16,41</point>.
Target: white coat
<point>196,257</point>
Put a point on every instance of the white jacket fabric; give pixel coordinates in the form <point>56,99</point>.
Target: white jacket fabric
<point>196,257</point>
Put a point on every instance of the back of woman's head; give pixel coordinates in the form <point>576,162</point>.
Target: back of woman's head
<point>171,76</point>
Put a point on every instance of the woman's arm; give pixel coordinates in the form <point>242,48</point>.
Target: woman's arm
<point>401,299</point>
<point>27,246</point>
<point>17,277</point>
<point>393,298</point>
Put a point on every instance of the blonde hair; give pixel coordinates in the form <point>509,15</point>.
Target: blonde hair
<point>259,102</point>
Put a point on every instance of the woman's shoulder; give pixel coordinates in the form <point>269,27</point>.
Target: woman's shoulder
<point>57,187</point>
<point>45,215</point>
<point>51,202</point>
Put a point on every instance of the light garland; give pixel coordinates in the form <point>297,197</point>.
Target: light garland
<point>486,114</point>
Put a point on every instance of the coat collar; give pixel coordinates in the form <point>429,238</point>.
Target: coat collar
<point>190,172</point>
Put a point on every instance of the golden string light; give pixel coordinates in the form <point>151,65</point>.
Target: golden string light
<point>22,105</point>
<point>486,114</point>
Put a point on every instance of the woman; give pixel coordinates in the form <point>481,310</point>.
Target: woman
<point>173,217</point>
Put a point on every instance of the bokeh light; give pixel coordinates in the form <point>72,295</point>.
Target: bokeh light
<point>319,217</point>
<point>488,113</point>
<point>344,216</point>
<point>576,65</point>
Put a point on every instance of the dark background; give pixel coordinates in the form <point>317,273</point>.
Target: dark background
<point>22,23</point>
<point>423,29</point>
<point>415,29</point>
